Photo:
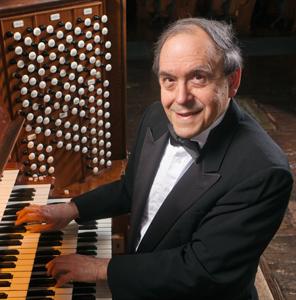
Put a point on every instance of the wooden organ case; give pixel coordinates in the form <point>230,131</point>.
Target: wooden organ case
<point>62,118</point>
<point>63,68</point>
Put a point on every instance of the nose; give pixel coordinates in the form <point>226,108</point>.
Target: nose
<point>182,93</point>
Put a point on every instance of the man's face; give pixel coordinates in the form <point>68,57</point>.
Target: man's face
<point>194,89</point>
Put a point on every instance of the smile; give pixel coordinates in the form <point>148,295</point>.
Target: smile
<point>186,114</point>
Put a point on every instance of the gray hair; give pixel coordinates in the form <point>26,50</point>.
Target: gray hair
<point>220,32</point>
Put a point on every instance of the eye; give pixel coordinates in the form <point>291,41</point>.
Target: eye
<point>167,82</point>
<point>200,78</point>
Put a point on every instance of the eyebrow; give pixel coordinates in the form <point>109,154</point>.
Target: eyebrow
<point>165,74</point>
<point>201,68</point>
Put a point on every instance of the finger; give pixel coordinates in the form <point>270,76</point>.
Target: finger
<point>27,209</point>
<point>36,228</point>
<point>29,218</point>
<point>60,269</point>
<point>48,267</point>
<point>49,270</point>
<point>63,279</point>
<point>57,261</point>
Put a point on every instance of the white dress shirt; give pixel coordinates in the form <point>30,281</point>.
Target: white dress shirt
<point>174,163</point>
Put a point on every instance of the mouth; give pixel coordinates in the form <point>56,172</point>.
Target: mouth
<point>187,115</point>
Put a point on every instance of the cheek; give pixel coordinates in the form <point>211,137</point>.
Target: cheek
<point>166,98</point>
<point>214,100</point>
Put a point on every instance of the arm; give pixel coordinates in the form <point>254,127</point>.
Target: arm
<point>223,253</point>
<point>105,201</point>
<point>115,198</point>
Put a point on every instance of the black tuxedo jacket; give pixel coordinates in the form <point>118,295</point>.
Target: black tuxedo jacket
<point>206,239</point>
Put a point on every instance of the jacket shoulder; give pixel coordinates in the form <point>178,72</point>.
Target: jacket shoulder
<point>154,113</point>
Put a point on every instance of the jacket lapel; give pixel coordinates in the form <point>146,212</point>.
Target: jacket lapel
<point>150,157</point>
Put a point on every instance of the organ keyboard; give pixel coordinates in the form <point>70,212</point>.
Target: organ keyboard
<point>62,119</point>
<point>23,254</point>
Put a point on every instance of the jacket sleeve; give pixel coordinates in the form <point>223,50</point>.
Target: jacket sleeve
<point>112,199</point>
<point>224,250</point>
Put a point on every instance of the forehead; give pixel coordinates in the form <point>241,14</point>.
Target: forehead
<point>189,47</point>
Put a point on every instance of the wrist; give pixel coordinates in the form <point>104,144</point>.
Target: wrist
<point>73,210</point>
<point>102,268</point>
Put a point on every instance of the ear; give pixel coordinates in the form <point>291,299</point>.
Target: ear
<point>234,82</point>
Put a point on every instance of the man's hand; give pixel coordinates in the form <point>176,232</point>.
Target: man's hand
<point>47,217</point>
<point>76,267</point>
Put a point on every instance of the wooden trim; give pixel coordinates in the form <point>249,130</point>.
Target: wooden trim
<point>124,69</point>
<point>271,280</point>
<point>8,141</point>
<point>15,7</point>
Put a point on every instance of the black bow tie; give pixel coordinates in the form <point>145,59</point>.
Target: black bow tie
<point>192,147</point>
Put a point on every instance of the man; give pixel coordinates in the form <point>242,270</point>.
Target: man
<point>206,187</point>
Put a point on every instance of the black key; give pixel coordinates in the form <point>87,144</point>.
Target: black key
<point>9,252</point>
<point>9,218</point>
<point>49,243</point>
<point>84,284</point>
<point>37,293</point>
<point>84,297</point>
<point>87,247</point>
<point>7,265</point>
<point>39,275</point>
<point>16,193</point>
<point>10,211</point>
<point>39,269</point>
<point>43,259</point>
<point>39,298</point>
<point>21,194</point>
<point>20,199</point>
<point>4,283</point>
<point>17,205</point>
<point>47,252</point>
<point>10,243</point>
<point>12,229</point>
<point>87,240</point>
<point>11,237</point>
<point>8,223</point>
<point>29,190</point>
<point>92,222</point>
<point>52,233</point>
<point>86,252</point>
<point>88,234</point>
<point>82,290</point>
<point>3,296</point>
<point>50,238</point>
<point>45,282</point>
<point>6,276</point>
<point>87,227</point>
<point>8,258</point>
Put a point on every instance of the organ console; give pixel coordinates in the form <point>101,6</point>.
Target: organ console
<point>62,118</point>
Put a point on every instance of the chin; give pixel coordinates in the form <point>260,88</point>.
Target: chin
<point>185,133</point>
